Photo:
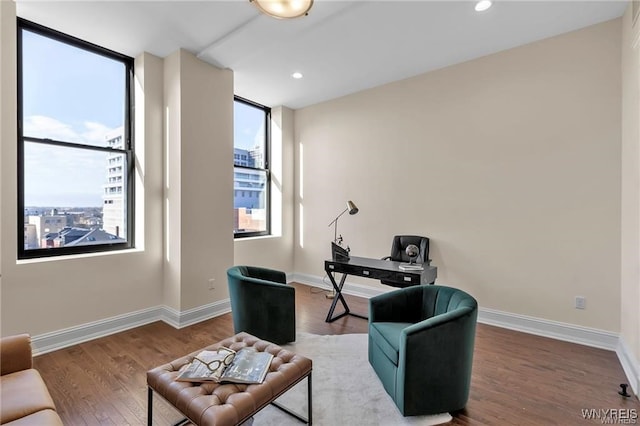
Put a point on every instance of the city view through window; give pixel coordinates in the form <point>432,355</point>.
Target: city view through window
<point>74,181</point>
<point>251,174</point>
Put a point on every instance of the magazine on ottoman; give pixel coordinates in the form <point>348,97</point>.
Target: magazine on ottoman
<point>246,366</point>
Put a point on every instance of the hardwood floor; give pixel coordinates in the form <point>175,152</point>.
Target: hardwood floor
<point>518,379</point>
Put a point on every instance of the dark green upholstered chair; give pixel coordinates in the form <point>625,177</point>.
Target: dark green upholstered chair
<point>262,303</point>
<point>421,342</point>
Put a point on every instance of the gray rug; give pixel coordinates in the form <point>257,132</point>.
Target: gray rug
<point>346,390</point>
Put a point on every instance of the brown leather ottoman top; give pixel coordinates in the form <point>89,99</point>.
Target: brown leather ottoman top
<point>230,403</point>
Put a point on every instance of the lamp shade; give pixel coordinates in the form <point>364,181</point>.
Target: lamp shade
<point>352,209</point>
<point>351,206</point>
<point>283,9</point>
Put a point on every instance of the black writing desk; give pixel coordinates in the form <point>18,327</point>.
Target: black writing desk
<point>372,268</point>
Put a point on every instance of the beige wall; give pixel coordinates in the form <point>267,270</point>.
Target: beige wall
<point>630,279</point>
<point>199,106</point>
<point>39,296</point>
<point>172,187</point>
<point>7,104</point>
<point>275,251</point>
<point>509,163</point>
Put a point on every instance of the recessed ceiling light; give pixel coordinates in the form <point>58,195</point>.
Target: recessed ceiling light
<point>483,5</point>
<point>297,75</point>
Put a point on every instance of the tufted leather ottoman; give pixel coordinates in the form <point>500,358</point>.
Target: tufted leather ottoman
<point>213,404</point>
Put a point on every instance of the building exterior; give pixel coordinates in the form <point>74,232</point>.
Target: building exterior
<point>241,157</point>
<point>73,236</point>
<point>114,206</point>
<point>41,225</point>
<point>51,229</point>
<point>30,236</point>
<point>248,189</point>
<point>92,237</point>
<point>249,193</point>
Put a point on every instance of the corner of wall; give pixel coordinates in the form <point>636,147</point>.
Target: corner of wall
<point>630,364</point>
<point>8,131</point>
<point>629,351</point>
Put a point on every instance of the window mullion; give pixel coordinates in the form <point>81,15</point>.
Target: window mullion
<point>47,141</point>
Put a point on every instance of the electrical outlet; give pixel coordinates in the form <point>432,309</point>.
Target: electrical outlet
<point>212,283</point>
<point>581,302</point>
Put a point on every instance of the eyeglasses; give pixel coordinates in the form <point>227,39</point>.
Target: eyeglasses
<point>216,359</point>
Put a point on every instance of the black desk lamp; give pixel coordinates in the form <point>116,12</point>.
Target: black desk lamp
<point>337,252</point>
<point>352,209</point>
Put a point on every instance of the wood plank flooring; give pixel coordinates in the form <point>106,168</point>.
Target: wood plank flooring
<point>518,379</point>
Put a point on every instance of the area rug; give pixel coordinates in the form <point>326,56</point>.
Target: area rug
<point>346,390</point>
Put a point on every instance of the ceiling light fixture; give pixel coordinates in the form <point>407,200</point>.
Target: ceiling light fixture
<point>483,5</point>
<point>283,9</point>
<point>297,75</point>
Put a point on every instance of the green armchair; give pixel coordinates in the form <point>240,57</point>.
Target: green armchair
<point>421,341</point>
<point>262,304</point>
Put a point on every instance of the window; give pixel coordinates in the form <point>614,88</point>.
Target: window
<point>75,153</point>
<point>251,177</point>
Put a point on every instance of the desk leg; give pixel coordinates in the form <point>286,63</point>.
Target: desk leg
<point>338,289</point>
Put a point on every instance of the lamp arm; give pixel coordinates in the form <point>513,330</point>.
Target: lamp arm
<point>335,223</point>
<point>338,217</point>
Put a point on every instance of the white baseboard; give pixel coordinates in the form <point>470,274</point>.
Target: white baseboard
<point>630,365</point>
<point>59,339</point>
<point>546,328</point>
<point>193,316</point>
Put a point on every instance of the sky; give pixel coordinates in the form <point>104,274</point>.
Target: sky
<point>71,85</point>
<point>70,95</point>
<point>248,127</point>
<point>73,95</point>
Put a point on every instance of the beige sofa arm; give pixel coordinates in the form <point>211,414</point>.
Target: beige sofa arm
<point>15,354</point>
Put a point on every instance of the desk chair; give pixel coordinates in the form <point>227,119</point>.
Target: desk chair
<point>398,253</point>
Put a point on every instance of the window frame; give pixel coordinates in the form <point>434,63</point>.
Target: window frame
<point>127,151</point>
<point>266,169</point>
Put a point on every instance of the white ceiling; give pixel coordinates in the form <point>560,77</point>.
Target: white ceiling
<point>341,47</point>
